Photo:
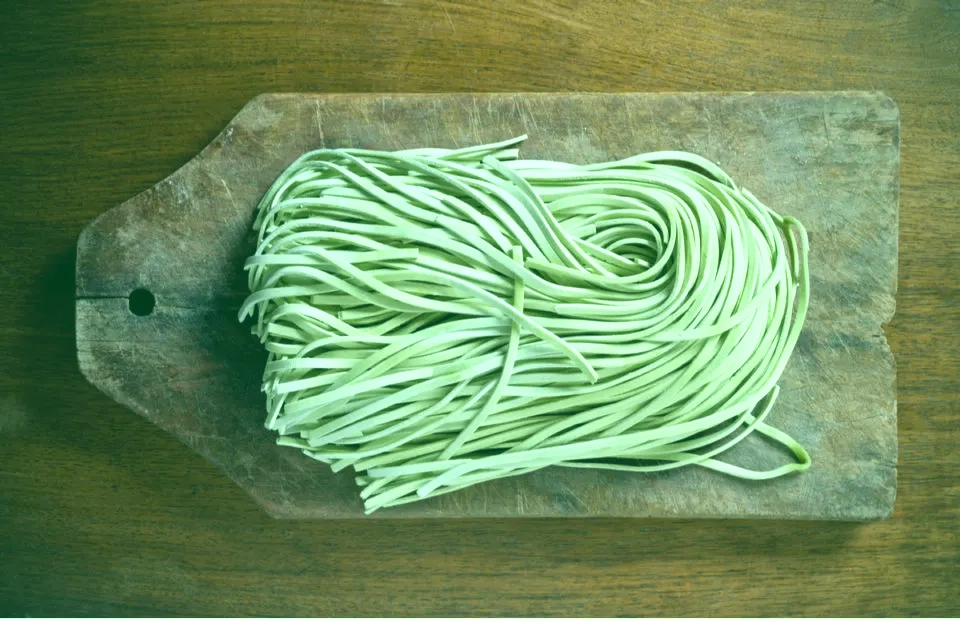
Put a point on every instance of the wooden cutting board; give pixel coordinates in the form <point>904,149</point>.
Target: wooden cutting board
<point>830,159</point>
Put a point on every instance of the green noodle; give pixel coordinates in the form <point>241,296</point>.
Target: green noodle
<point>438,318</point>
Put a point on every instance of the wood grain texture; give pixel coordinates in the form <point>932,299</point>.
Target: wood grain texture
<point>104,513</point>
<point>829,159</point>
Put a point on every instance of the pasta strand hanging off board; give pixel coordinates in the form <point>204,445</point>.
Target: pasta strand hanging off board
<point>438,318</point>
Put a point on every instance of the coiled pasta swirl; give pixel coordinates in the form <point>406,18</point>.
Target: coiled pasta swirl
<point>438,318</point>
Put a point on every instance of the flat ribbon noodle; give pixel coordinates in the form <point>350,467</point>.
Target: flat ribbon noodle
<point>438,318</point>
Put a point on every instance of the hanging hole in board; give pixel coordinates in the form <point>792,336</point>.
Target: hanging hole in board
<point>142,302</point>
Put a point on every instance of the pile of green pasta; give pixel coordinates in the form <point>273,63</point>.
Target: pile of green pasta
<point>438,318</point>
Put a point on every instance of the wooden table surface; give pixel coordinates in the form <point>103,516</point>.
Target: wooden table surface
<point>104,514</point>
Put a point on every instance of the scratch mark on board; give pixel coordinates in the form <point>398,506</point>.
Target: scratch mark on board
<point>447,15</point>
<point>319,118</point>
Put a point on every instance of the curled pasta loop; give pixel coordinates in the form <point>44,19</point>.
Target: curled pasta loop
<point>436,318</point>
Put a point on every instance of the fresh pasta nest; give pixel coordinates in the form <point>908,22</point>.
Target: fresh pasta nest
<point>438,318</point>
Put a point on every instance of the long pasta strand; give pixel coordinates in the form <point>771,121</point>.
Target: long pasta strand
<point>438,318</point>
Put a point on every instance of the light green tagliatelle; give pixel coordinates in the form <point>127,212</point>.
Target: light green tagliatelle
<point>438,318</point>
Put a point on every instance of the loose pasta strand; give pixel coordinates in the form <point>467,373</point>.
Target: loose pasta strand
<point>439,318</point>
